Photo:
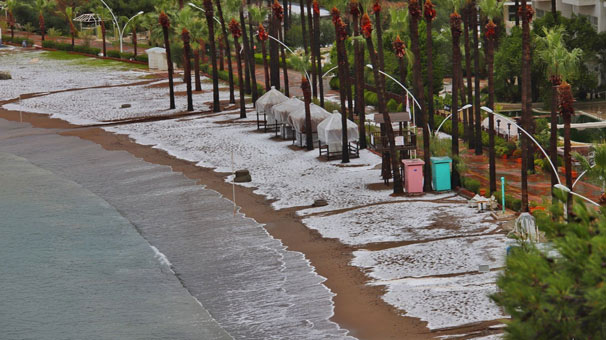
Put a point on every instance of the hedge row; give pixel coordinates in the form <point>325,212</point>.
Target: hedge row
<point>17,40</point>
<point>68,47</point>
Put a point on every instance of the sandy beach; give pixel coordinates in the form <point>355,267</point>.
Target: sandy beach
<point>359,307</point>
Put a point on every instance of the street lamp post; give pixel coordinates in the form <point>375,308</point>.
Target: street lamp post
<point>465,107</point>
<point>115,20</point>
<point>569,191</point>
<point>202,9</point>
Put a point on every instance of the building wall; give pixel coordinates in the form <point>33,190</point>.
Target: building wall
<point>593,9</point>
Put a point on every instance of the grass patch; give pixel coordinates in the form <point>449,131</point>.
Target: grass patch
<point>91,62</point>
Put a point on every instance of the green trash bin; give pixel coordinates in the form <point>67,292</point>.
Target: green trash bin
<point>440,173</point>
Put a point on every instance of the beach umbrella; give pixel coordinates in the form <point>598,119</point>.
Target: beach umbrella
<point>329,130</point>
<point>268,100</point>
<point>297,118</point>
<point>281,111</point>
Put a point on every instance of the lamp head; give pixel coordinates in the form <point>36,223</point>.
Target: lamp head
<point>369,66</point>
<point>562,187</point>
<point>486,109</point>
<point>465,107</point>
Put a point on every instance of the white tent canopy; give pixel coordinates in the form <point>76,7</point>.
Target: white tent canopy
<point>281,111</point>
<point>269,99</point>
<point>583,126</point>
<point>330,131</point>
<point>297,118</point>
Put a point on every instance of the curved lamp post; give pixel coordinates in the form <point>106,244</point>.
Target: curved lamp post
<point>120,30</point>
<point>569,191</point>
<point>465,107</point>
<point>555,171</point>
<point>202,9</point>
<point>402,86</point>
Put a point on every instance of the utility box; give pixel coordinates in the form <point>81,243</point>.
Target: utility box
<point>440,173</point>
<point>156,57</point>
<point>413,175</point>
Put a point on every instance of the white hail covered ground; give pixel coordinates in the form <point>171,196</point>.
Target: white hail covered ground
<point>430,246</point>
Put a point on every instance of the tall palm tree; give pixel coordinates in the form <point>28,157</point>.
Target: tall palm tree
<point>312,41</point>
<point>165,23</point>
<point>455,30</point>
<point>476,78</point>
<point>366,27</point>
<point>274,63</point>
<point>103,13</point>
<point>256,15</point>
<point>10,8</point>
<point>41,6</point>
<point>526,13</point>
<point>262,37</point>
<point>356,11</point>
<point>566,102</point>
<point>236,33</point>
<point>208,8</point>
<point>316,46</point>
<point>309,144</point>
<point>249,57</point>
<point>561,63</point>
<point>69,16</point>
<point>278,11</point>
<point>468,118</point>
<point>135,24</point>
<point>341,36</point>
<point>429,14</point>
<point>303,25</point>
<point>492,9</point>
<point>414,11</point>
<point>187,67</point>
<point>232,98</point>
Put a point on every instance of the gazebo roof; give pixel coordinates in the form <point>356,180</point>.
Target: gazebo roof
<point>88,18</point>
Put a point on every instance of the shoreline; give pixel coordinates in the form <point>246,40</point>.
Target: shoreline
<point>358,307</point>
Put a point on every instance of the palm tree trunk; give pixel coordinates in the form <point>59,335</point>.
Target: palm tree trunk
<point>232,98</point>
<point>525,114</point>
<point>476,87</point>
<point>418,85</point>
<point>553,138</point>
<point>341,35</point>
<point>517,11</point>
<point>284,66</point>
<point>197,69</point>
<point>265,66</point>
<point>240,78</point>
<point>468,128</point>
<point>455,28</point>
<point>430,109</point>
<point>208,6</point>
<point>169,61</point>
<point>303,25</point>
<point>359,76</point>
<point>312,40</point>
<point>187,68</point>
<point>274,63</point>
<point>316,46</point>
<point>568,160</point>
<point>307,99</point>
<point>397,177</point>
<point>42,27</point>
<point>221,54</point>
<point>554,11</point>
<point>250,59</point>
<point>491,132</point>
<point>103,32</point>
<point>134,40</point>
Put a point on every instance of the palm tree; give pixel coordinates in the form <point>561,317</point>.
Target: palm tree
<point>10,8</point>
<point>455,29</point>
<point>236,33</point>
<point>492,9</point>
<point>165,23</point>
<point>256,15</point>
<point>232,97</point>
<point>278,12</point>
<point>566,110</point>
<point>274,63</point>
<point>262,37</point>
<point>367,34</point>
<point>430,14</point>
<point>414,11</point>
<point>468,118</point>
<point>41,6</point>
<point>527,13</point>
<point>303,25</point>
<point>103,13</point>
<point>313,42</point>
<point>309,144</point>
<point>356,10</point>
<point>341,36</point>
<point>135,23</point>
<point>249,57</point>
<point>561,63</point>
<point>476,78</point>
<point>187,67</point>
<point>208,8</point>
<point>316,46</point>
<point>69,16</point>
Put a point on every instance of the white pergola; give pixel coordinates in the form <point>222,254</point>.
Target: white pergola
<point>88,18</point>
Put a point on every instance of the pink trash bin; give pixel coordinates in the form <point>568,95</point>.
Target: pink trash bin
<point>413,174</point>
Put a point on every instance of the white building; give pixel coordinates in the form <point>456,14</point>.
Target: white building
<point>594,10</point>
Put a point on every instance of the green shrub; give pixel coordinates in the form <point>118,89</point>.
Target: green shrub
<point>471,184</point>
<point>17,40</point>
<point>87,50</point>
<point>49,44</point>
<point>127,55</point>
<point>113,54</point>
<point>142,57</point>
<point>334,83</point>
<point>392,105</point>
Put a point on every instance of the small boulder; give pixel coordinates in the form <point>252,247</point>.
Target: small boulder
<point>320,203</point>
<point>125,106</point>
<point>242,176</point>
<point>5,75</point>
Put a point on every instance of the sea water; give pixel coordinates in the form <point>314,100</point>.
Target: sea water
<point>247,281</point>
